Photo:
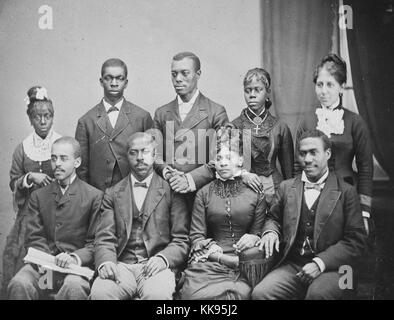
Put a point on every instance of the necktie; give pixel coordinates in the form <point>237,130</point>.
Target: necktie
<point>112,109</point>
<point>140,184</point>
<point>316,186</point>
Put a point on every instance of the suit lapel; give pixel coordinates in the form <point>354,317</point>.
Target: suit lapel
<point>102,120</point>
<point>295,202</point>
<point>328,199</point>
<point>153,197</point>
<point>124,205</point>
<point>197,113</point>
<point>123,120</point>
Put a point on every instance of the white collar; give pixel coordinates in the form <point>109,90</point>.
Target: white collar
<point>322,179</point>
<point>192,100</point>
<point>108,105</point>
<point>74,175</point>
<point>333,106</point>
<point>147,180</point>
<point>37,148</point>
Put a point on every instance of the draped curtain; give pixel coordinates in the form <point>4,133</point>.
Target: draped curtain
<point>296,35</point>
<point>371,51</point>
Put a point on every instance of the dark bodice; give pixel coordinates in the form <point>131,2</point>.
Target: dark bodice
<point>226,217</point>
<point>270,142</point>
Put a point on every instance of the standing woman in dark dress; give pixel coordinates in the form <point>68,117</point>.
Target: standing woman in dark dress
<point>270,138</point>
<point>227,219</point>
<point>347,130</point>
<point>30,170</point>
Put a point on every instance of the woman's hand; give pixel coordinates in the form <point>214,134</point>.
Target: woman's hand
<point>38,178</point>
<point>247,241</point>
<point>252,180</point>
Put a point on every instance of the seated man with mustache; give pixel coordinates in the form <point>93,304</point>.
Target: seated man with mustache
<point>62,223</point>
<point>142,239</point>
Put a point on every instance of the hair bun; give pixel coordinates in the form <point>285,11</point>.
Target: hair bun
<point>36,93</point>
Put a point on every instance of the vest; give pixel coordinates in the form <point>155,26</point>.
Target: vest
<point>302,250</point>
<point>135,250</point>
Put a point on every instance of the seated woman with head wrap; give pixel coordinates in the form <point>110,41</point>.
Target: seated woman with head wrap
<point>226,220</point>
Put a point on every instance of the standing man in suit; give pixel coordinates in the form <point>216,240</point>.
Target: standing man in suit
<point>317,218</point>
<point>142,239</point>
<point>103,131</point>
<point>63,219</point>
<point>183,118</point>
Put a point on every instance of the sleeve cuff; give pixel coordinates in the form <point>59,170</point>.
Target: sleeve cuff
<point>165,171</point>
<point>268,231</point>
<point>165,260</point>
<point>79,261</point>
<point>101,265</point>
<point>190,181</point>
<point>366,214</point>
<point>24,183</point>
<point>319,263</point>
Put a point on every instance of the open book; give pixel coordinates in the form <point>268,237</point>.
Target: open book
<point>47,261</point>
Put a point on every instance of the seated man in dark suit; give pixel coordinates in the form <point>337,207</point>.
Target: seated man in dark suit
<point>63,219</point>
<point>142,238</point>
<point>317,220</point>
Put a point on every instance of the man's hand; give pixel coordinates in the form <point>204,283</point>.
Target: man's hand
<point>247,241</point>
<point>366,224</point>
<point>268,242</point>
<point>38,178</point>
<point>64,260</point>
<point>170,172</point>
<point>309,273</point>
<point>252,180</point>
<point>110,271</point>
<point>179,183</point>
<point>154,266</point>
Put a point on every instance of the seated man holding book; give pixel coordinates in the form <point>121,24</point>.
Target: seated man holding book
<point>62,223</point>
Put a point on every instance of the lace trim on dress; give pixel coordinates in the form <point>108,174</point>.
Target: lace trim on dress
<point>228,188</point>
<point>38,149</point>
<point>330,121</point>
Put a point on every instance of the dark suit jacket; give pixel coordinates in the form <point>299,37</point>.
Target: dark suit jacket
<point>205,114</point>
<point>165,223</point>
<point>64,223</point>
<point>103,146</point>
<point>339,234</point>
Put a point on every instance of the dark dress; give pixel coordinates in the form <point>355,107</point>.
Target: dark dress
<point>14,250</point>
<point>223,212</point>
<point>354,142</point>
<point>271,142</point>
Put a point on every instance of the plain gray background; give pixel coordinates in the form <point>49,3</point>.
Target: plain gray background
<point>225,34</point>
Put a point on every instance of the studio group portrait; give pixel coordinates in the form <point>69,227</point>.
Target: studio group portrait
<point>197,150</point>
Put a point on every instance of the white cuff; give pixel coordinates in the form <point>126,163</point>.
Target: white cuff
<point>165,171</point>
<point>101,265</point>
<point>366,214</point>
<point>24,183</point>
<point>190,181</point>
<point>79,261</point>
<point>164,258</point>
<point>320,263</point>
<point>268,231</point>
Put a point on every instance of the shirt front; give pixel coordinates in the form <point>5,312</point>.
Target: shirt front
<point>63,190</point>
<point>113,115</point>
<point>312,194</point>
<point>140,192</point>
<point>185,107</point>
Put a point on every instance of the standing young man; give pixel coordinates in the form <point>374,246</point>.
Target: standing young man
<point>103,131</point>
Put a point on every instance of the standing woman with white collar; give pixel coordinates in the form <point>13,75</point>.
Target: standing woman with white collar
<point>30,170</point>
<point>347,130</point>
